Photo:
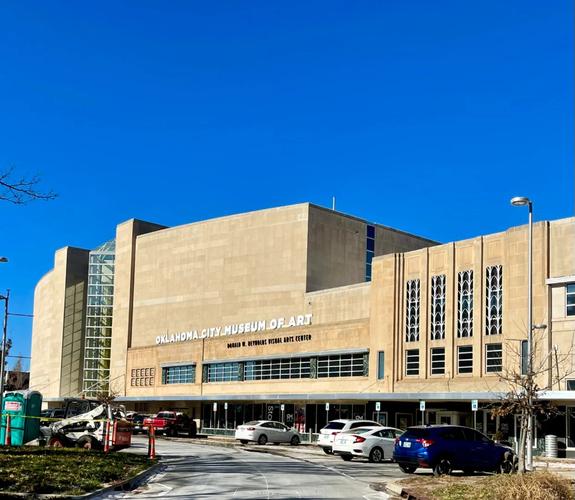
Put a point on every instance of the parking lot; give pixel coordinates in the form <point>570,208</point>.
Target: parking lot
<point>202,468</point>
<point>359,469</point>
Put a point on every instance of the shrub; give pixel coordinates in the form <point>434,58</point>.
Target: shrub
<point>531,486</point>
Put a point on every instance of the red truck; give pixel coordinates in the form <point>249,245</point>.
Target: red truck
<point>171,423</point>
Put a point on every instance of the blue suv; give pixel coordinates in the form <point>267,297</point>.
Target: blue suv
<point>444,448</point>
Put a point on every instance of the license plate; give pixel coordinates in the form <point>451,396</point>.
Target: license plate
<point>406,444</point>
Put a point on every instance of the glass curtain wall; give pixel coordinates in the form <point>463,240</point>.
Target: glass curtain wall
<point>99,319</point>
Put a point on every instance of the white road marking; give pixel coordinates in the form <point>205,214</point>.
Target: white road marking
<point>261,474</point>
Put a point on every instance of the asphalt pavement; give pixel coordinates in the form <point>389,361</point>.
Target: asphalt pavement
<point>198,470</point>
<point>219,467</point>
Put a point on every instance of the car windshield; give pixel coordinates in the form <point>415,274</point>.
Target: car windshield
<point>335,425</point>
<point>165,414</point>
<point>252,422</point>
<point>416,433</point>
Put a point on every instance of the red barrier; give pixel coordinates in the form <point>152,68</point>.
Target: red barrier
<point>8,431</point>
<point>151,442</point>
<point>107,437</point>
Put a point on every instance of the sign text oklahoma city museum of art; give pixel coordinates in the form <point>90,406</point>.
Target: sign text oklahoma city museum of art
<point>239,328</point>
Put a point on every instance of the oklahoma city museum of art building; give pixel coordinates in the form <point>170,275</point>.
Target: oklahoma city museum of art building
<point>304,314</point>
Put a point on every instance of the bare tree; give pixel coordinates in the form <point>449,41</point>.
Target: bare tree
<point>7,352</point>
<point>527,383</point>
<point>21,189</point>
<point>107,397</point>
<point>17,367</point>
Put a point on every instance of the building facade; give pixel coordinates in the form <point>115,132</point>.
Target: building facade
<point>304,314</point>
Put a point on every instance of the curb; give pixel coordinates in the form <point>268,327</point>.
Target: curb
<point>126,484</point>
<point>391,490</point>
<point>395,488</point>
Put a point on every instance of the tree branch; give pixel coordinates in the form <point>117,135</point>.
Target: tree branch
<point>21,190</point>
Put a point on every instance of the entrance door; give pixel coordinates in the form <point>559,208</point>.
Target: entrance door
<point>446,419</point>
<point>273,412</point>
<point>380,417</point>
<point>450,417</point>
<point>403,420</point>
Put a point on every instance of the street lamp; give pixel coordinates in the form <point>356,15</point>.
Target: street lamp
<point>5,298</point>
<point>521,201</point>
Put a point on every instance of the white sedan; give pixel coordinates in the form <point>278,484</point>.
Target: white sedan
<point>264,431</point>
<point>373,443</point>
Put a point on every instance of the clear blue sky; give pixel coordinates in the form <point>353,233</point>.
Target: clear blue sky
<point>425,116</point>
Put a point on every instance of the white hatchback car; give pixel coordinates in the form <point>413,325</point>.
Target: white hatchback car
<point>264,431</point>
<point>373,443</point>
<point>334,427</point>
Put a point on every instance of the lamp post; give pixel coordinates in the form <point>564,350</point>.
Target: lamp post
<point>5,298</point>
<point>521,201</point>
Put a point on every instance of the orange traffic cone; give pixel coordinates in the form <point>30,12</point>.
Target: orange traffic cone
<point>8,431</point>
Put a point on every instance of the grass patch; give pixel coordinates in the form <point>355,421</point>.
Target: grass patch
<point>532,486</point>
<point>67,471</point>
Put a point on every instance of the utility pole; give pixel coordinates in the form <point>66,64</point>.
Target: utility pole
<point>5,298</point>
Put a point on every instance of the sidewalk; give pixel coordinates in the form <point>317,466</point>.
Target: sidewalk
<point>229,442</point>
<point>563,466</point>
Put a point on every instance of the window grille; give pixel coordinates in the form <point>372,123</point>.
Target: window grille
<point>340,365</point>
<point>438,307</point>
<point>369,250</point>
<point>380,365</point>
<point>438,360</point>
<point>465,304</point>
<point>181,374</point>
<point>493,358</point>
<point>493,300</point>
<point>412,362</point>
<point>412,311</point>
<point>333,365</point>
<point>270,369</point>
<point>223,372</point>
<point>465,359</point>
<point>99,307</point>
<point>570,299</point>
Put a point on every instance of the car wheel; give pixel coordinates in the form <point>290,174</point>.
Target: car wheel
<point>346,458</point>
<point>55,442</point>
<point>294,441</point>
<point>408,469</point>
<point>327,451</point>
<point>507,464</point>
<point>376,455</point>
<point>443,467</point>
<point>86,442</point>
<point>263,439</point>
<point>244,441</point>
